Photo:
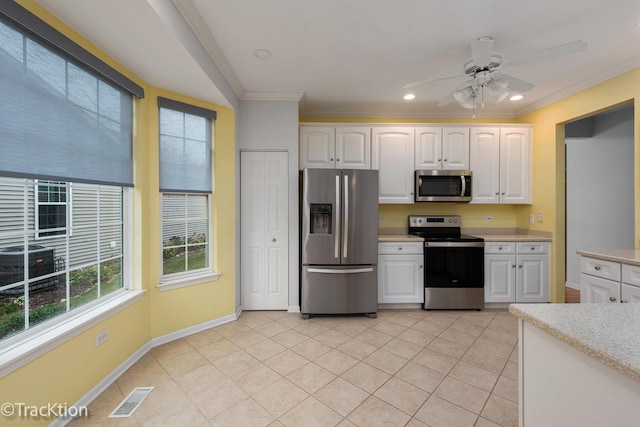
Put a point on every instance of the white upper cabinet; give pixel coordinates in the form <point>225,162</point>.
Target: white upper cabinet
<point>442,148</point>
<point>317,147</point>
<point>353,148</point>
<point>500,159</point>
<point>392,155</point>
<point>515,165</point>
<point>328,147</point>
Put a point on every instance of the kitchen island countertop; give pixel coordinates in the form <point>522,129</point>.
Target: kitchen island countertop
<point>606,332</point>
<point>625,256</point>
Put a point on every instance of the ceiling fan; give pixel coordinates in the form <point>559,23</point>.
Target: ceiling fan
<point>483,73</point>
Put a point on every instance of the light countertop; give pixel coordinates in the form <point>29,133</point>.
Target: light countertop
<point>399,238</point>
<point>606,332</point>
<point>625,256</point>
<point>516,237</point>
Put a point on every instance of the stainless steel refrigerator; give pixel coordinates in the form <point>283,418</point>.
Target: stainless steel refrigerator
<point>339,242</point>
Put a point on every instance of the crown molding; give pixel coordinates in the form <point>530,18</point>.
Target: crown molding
<point>192,16</point>
<point>271,96</point>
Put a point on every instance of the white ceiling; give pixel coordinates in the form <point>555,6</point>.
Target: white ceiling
<point>353,57</point>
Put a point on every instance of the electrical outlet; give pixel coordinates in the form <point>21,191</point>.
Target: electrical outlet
<point>488,218</point>
<point>531,220</point>
<point>540,217</point>
<point>102,337</point>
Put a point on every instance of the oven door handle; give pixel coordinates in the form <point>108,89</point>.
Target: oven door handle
<point>454,244</point>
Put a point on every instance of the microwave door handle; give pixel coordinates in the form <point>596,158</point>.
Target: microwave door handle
<point>345,232</point>
<point>464,185</point>
<point>337,213</point>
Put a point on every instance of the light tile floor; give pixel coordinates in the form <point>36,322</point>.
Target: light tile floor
<point>271,368</point>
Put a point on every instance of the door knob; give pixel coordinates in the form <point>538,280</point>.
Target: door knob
<point>273,239</point>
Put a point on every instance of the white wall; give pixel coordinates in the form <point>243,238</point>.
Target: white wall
<point>600,194</point>
<point>273,126</point>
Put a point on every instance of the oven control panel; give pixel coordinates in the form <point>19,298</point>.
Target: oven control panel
<point>428,221</point>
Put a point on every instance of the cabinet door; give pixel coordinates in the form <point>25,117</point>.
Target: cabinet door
<point>499,278</point>
<point>484,158</point>
<point>392,155</point>
<point>595,289</point>
<point>428,148</point>
<point>630,294</point>
<point>400,279</point>
<point>455,148</point>
<point>353,148</point>
<point>317,147</point>
<point>532,278</point>
<point>515,166</point>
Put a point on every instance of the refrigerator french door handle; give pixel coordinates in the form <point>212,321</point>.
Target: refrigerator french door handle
<point>345,232</point>
<point>340,270</point>
<point>464,186</point>
<point>337,213</point>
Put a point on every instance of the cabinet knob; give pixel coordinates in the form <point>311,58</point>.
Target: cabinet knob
<point>612,299</point>
<point>421,266</point>
<point>596,268</point>
<point>497,194</point>
<point>513,266</point>
<point>533,248</point>
<point>337,160</point>
<point>400,248</point>
<point>499,248</point>
<point>520,266</point>
<point>503,194</point>
<point>623,301</point>
<point>274,239</point>
<point>331,159</point>
<point>445,160</point>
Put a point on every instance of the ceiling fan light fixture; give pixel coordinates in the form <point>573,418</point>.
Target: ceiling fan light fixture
<point>409,97</point>
<point>516,97</point>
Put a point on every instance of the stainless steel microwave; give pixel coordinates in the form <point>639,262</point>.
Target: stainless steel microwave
<point>443,186</point>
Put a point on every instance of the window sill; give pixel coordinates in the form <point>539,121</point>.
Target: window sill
<point>30,344</point>
<point>185,281</point>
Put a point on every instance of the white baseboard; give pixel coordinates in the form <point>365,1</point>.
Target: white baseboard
<point>572,285</point>
<point>99,388</point>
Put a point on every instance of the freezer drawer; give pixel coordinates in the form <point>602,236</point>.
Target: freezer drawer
<point>339,290</point>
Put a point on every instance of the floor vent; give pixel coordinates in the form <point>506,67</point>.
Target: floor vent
<point>131,402</point>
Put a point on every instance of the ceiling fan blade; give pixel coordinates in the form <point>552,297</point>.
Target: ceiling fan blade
<point>481,51</point>
<point>517,85</point>
<point>446,101</point>
<point>549,53</point>
<point>437,79</point>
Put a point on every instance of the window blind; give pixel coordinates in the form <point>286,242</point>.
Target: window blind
<point>58,119</point>
<point>185,147</point>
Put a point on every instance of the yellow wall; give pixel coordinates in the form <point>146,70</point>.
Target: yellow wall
<point>69,371</point>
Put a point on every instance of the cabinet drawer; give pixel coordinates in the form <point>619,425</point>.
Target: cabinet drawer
<point>600,268</point>
<point>387,248</point>
<point>532,247</point>
<point>499,247</point>
<point>631,274</point>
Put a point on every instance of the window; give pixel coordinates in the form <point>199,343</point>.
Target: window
<point>51,208</point>
<point>66,122</point>
<point>186,187</point>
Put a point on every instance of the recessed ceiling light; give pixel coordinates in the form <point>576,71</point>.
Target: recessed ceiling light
<point>516,97</point>
<point>262,53</point>
<point>409,97</point>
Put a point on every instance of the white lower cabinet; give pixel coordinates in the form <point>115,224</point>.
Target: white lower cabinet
<point>516,272</point>
<point>603,281</point>
<point>400,272</point>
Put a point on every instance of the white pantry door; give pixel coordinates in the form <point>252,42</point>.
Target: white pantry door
<point>264,222</point>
